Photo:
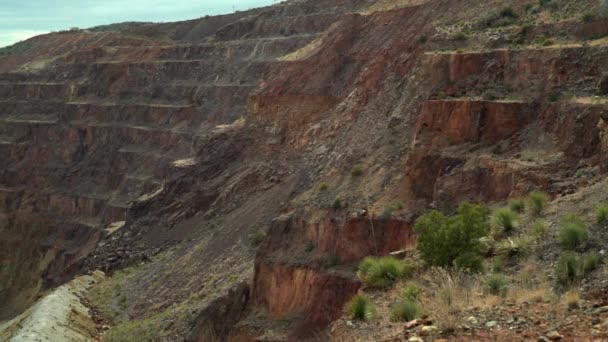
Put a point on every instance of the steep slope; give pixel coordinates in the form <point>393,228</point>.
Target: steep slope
<point>327,125</point>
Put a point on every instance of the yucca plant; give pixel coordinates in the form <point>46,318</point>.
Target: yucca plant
<point>572,232</point>
<point>540,229</point>
<point>380,272</point>
<point>361,308</point>
<point>568,270</point>
<point>601,213</point>
<point>496,284</point>
<point>537,201</point>
<point>590,262</point>
<point>506,220</point>
<point>406,310</point>
<point>518,205</point>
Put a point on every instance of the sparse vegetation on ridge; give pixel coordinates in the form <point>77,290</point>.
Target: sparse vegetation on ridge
<point>381,272</point>
<point>572,232</point>
<point>361,308</point>
<point>537,201</point>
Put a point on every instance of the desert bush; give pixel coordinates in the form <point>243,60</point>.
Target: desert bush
<point>518,205</point>
<point>504,17</point>
<point>555,95</point>
<point>601,213</point>
<point>391,208</point>
<point>571,268</point>
<point>588,17</point>
<point>406,310</point>
<point>472,262</point>
<point>361,308</point>
<point>568,270</point>
<point>380,272</point>
<point>323,186</point>
<point>332,261</point>
<point>256,237</point>
<point>356,171</point>
<point>410,291</point>
<point>590,262</point>
<point>540,229</point>
<point>498,264</point>
<point>442,239</point>
<point>460,36</point>
<point>489,95</point>
<point>537,201</point>
<point>572,232</point>
<point>496,284</point>
<point>506,220</point>
<point>337,204</point>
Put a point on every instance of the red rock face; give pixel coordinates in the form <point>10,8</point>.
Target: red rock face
<point>447,122</point>
<point>286,290</point>
<point>576,128</point>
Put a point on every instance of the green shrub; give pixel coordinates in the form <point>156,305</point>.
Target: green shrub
<point>391,208</point>
<point>460,36</point>
<point>361,308</point>
<point>506,16</point>
<point>356,171</point>
<point>601,213</point>
<point>506,220</point>
<point>405,310</point>
<point>323,186</point>
<point>442,239</point>
<point>537,201</point>
<point>572,232</point>
<point>568,270</point>
<point>518,205</point>
<point>422,39</point>
<point>380,272</point>
<point>337,204</point>
<point>498,264</point>
<point>410,291</point>
<point>590,262</point>
<point>332,261</point>
<point>472,262</point>
<point>555,95</point>
<point>256,237</point>
<point>588,17</point>
<point>489,95</point>
<point>496,284</point>
<point>540,229</point>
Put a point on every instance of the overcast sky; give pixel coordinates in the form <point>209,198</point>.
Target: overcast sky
<point>21,19</point>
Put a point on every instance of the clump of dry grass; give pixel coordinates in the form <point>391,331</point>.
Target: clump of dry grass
<point>571,299</point>
<point>450,293</point>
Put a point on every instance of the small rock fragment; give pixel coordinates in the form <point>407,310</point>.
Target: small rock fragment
<point>554,336</point>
